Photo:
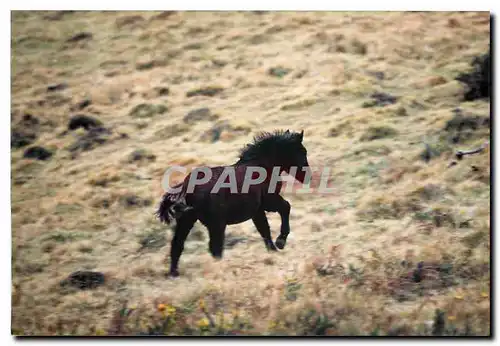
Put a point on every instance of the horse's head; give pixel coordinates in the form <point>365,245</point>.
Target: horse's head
<point>296,155</point>
<point>281,148</point>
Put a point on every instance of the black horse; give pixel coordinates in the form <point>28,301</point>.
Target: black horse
<point>215,210</point>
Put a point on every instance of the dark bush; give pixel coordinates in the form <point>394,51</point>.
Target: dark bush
<point>379,99</point>
<point>95,136</point>
<point>84,280</point>
<point>20,139</point>
<point>84,121</point>
<point>38,153</point>
<point>207,91</point>
<point>478,81</point>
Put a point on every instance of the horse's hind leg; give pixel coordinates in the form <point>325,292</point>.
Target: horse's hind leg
<point>216,232</point>
<point>262,225</point>
<point>182,228</point>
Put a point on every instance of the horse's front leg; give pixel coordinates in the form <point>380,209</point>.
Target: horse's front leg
<point>276,203</point>
<point>262,225</point>
<point>216,232</point>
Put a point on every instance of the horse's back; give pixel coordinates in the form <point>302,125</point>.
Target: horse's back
<point>225,201</point>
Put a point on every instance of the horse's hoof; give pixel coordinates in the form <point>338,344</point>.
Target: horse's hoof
<point>270,245</point>
<point>173,274</point>
<point>280,243</point>
<point>272,248</point>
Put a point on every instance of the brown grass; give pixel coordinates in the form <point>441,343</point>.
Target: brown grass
<point>350,265</point>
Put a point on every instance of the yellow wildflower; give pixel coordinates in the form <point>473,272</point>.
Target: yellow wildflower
<point>272,324</point>
<point>170,310</point>
<point>484,294</point>
<point>100,332</point>
<point>452,318</point>
<point>459,296</point>
<point>202,304</point>
<point>203,323</point>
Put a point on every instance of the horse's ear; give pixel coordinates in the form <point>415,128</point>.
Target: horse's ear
<point>287,131</point>
<point>301,136</point>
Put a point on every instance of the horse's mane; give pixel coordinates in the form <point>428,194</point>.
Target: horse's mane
<point>264,142</point>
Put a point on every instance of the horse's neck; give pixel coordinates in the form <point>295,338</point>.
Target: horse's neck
<point>270,168</point>
<point>268,165</point>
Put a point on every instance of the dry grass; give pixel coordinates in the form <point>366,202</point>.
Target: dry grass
<point>402,247</point>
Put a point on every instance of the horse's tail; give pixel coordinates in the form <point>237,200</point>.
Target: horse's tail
<point>172,206</point>
<point>167,202</point>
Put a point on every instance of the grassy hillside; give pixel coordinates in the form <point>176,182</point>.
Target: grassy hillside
<point>402,247</point>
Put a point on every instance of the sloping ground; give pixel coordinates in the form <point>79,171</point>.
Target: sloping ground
<point>401,247</point>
